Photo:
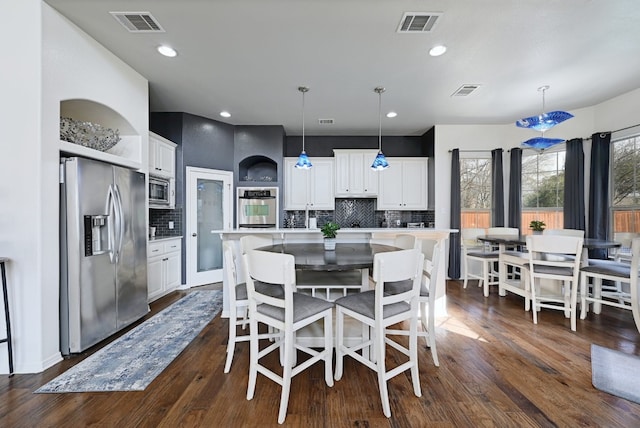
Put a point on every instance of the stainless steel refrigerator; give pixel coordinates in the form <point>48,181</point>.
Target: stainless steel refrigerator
<point>103,256</point>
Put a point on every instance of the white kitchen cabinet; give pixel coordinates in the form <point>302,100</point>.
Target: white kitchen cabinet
<point>162,156</point>
<point>354,176</point>
<point>164,267</point>
<point>403,186</point>
<point>309,187</point>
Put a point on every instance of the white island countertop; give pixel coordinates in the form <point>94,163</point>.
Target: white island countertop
<point>356,234</point>
<point>393,230</point>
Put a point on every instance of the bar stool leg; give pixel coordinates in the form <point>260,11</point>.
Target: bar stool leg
<point>6,316</point>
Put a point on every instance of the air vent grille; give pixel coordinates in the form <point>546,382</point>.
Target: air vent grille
<point>418,22</point>
<point>465,90</point>
<point>138,22</point>
<point>325,121</point>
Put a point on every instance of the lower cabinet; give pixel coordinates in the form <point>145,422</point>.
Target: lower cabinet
<point>164,267</point>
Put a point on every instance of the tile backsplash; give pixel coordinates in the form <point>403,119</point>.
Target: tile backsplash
<point>360,213</point>
<point>160,220</point>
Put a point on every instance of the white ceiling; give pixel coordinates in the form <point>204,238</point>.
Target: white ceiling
<point>249,57</point>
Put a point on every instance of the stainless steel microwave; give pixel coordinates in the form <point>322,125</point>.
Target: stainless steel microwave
<point>160,192</point>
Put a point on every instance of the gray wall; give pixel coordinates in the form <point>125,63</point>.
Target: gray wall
<point>202,143</point>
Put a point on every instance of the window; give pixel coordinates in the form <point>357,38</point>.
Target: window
<point>625,185</point>
<point>543,189</point>
<point>475,192</point>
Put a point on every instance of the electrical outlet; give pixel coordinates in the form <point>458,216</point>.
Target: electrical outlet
<point>170,225</point>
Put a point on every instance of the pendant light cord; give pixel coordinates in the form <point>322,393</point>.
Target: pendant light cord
<point>379,121</point>
<point>379,90</point>
<point>303,92</point>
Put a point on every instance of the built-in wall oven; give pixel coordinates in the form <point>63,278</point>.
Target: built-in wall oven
<point>257,207</point>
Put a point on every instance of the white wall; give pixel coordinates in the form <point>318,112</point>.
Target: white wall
<point>610,115</point>
<point>54,61</point>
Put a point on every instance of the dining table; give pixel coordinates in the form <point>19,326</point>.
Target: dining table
<point>331,274</point>
<point>515,258</point>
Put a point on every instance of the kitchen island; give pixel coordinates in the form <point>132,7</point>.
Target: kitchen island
<point>346,235</point>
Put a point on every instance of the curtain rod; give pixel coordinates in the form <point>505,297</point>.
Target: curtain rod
<point>617,130</point>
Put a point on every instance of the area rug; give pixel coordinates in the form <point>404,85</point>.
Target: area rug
<point>132,362</point>
<point>615,372</point>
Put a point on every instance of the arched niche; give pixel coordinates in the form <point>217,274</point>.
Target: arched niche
<point>128,151</point>
<point>258,168</point>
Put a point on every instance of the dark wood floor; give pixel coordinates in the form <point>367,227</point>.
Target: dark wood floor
<point>496,369</point>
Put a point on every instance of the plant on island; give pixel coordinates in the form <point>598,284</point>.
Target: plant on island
<point>537,225</point>
<point>330,229</point>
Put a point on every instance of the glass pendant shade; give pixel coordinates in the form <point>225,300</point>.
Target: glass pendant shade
<point>380,162</point>
<point>542,143</point>
<point>545,121</point>
<point>303,159</point>
<point>542,123</point>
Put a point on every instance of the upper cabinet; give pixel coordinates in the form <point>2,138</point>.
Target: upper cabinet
<point>309,188</point>
<point>403,186</point>
<point>162,156</point>
<point>354,176</point>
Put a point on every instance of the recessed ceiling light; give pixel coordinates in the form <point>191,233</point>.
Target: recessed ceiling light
<point>225,114</point>
<point>437,50</point>
<point>167,51</point>
<point>392,114</point>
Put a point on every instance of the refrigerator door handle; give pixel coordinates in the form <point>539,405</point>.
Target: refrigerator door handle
<point>119,221</point>
<point>110,223</point>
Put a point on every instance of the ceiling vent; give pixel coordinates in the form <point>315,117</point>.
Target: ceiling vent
<point>418,22</point>
<point>465,90</point>
<point>138,22</point>
<point>325,121</point>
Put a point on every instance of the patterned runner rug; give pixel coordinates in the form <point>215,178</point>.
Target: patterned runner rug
<point>133,361</point>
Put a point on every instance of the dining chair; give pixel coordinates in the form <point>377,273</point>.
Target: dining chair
<point>239,303</point>
<point>251,242</point>
<point>474,250</point>
<point>623,252</point>
<point>287,315</point>
<point>430,291</point>
<point>620,273</point>
<point>564,232</point>
<point>406,241</point>
<point>378,310</point>
<point>553,276</point>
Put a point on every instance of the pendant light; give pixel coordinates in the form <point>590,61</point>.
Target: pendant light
<point>542,123</point>
<point>303,160</point>
<point>380,162</point>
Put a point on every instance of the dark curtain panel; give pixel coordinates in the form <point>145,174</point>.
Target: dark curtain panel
<point>497,190</point>
<point>574,185</point>
<point>599,192</point>
<point>515,189</point>
<point>454,220</point>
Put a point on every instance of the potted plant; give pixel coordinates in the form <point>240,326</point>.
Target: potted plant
<point>537,226</point>
<point>329,231</point>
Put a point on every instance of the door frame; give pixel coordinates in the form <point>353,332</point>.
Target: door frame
<point>194,278</point>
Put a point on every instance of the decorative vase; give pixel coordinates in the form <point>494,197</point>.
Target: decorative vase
<point>329,244</point>
<point>537,232</point>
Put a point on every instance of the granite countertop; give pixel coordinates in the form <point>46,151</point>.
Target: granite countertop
<point>343,230</point>
<point>164,238</point>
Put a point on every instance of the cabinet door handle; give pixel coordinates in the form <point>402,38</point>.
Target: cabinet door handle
<point>194,234</point>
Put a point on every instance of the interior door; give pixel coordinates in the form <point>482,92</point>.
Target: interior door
<point>209,211</point>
